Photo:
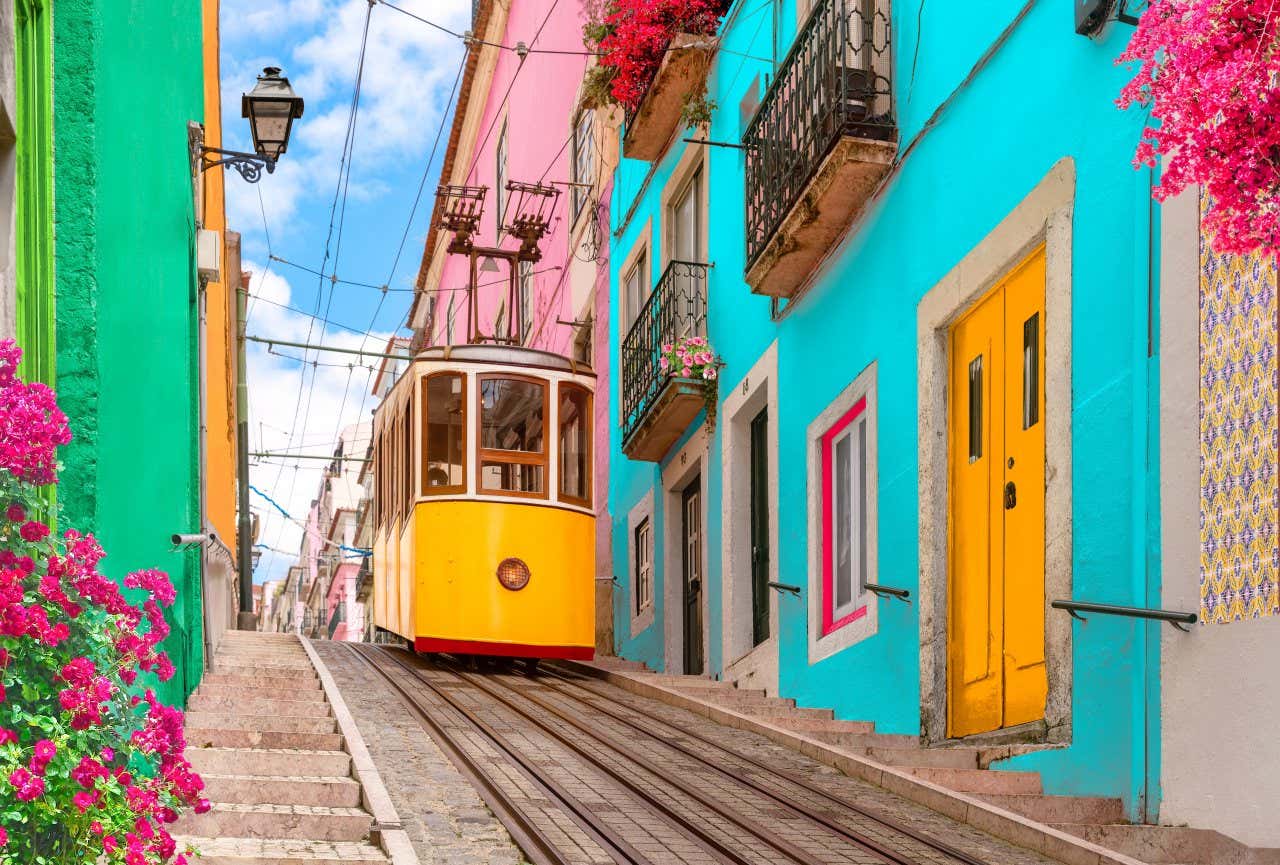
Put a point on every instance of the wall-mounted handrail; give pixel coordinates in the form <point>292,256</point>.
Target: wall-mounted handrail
<point>1178,619</point>
<point>903,595</point>
<point>785,587</point>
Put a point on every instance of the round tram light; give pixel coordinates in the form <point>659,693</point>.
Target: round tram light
<point>513,574</point>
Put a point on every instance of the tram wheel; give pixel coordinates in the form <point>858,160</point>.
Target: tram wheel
<point>531,667</point>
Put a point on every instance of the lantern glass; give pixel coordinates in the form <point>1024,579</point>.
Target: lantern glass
<point>271,108</point>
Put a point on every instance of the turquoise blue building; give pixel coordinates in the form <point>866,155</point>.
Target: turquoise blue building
<point>914,237</point>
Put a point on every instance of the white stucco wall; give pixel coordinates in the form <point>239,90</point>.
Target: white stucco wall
<point>1220,755</point>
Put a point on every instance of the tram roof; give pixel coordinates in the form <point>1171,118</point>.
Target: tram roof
<point>509,355</point>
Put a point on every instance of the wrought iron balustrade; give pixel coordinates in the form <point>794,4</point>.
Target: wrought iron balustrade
<point>339,616</point>
<point>677,308</point>
<point>834,82</point>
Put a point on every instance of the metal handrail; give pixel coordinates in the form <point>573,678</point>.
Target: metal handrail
<point>677,308</point>
<point>890,591</point>
<point>1173,617</point>
<point>785,587</point>
<point>833,82</point>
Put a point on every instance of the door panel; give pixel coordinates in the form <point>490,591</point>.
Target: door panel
<point>1025,675</point>
<point>975,520</point>
<point>996,648</point>
<point>760,528</point>
<point>691,533</point>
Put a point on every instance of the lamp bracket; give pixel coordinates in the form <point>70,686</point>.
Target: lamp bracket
<point>249,165</point>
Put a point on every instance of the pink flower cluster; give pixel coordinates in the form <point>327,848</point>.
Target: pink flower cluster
<point>76,644</point>
<point>637,35</point>
<point>690,357</point>
<point>31,424</point>
<point>1210,73</point>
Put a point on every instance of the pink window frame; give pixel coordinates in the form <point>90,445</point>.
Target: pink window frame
<point>829,624</point>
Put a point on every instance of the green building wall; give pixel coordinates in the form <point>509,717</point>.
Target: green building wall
<point>127,80</point>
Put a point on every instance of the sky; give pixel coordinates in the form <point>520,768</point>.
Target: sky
<point>408,73</point>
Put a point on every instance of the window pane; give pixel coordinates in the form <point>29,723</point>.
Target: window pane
<point>511,415</point>
<point>511,477</point>
<point>1031,371</point>
<point>861,502</point>
<point>643,566</point>
<point>445,434</point>
<point>575,422</point>
<point>975,409</point>
<point>842,575</point>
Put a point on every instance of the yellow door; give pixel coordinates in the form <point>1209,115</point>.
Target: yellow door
<point>996,652</point>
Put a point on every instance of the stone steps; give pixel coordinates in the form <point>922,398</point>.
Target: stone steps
<point>204,737</point>
<point>331,792</point>
<point>274,723</point>
<point>255,762</point>
<point>261,851</point>
<point>1061,809</point>
<point>281,821</point>
<point>262,735</point>
<point>1159,845</point>
<point>281,706</point>
<point>262,692</point>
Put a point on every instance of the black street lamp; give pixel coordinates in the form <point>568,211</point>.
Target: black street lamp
<point>271,108</point>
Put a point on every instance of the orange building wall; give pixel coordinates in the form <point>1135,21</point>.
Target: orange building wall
<point>220,413</point>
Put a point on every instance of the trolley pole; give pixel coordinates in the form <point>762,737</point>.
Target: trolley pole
<point>246,621</point>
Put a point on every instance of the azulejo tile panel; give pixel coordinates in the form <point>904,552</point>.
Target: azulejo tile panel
<point>1239,436</point>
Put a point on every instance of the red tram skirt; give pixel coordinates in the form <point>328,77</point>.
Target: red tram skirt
<point>506,650</point>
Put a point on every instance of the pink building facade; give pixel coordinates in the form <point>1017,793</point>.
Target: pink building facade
<point>521,119</point>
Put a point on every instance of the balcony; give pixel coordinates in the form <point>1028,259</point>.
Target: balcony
<point>820,143</point>
<point>650,126</point>
<point>657,407</point>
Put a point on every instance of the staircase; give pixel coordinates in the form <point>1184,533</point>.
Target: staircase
<point>1097,820</point>
<point>261,734</point>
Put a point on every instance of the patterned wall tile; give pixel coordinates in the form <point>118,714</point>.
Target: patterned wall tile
<point>1239,437</point>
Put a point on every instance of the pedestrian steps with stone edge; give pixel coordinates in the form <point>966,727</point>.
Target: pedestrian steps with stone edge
<point>1071,828</point>
<point>261,734</point>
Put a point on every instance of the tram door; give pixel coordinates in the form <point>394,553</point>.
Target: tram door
<point>691,534</point>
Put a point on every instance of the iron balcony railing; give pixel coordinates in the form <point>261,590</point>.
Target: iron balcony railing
<point>834,82</point>
<point>677,308</point>
<point>339,616</point>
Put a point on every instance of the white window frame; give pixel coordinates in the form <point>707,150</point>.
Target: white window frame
<point>583,149</point>
<point>640,613</point>
<point>824,645</point>
<point>500,177</point>
<point>858,592</point>
<point>525,288</point>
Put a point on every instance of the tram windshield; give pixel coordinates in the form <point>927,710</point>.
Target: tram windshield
<point>513,415</point>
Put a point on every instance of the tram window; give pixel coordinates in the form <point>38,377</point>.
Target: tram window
<point>575,444</point>
<point>443,431</point>
<point>513,417</point>
<point>513,414</point>
<point>512,478</point>
<point>406,450</point>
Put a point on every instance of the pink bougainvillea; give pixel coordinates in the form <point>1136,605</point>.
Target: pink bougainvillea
<point>1210,72</point>
<point>91,770</point>
<point>632,36</point>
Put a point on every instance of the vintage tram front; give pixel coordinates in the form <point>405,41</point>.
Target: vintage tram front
<point>485,532</point>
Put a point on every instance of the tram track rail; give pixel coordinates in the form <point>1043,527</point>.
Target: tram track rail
<point>569,729</point>
<point>535,842</point>
<point>790,777</point>
<point>798,809</point>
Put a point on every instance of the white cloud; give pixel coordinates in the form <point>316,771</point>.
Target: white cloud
<point>324,398</point>
<point>408,70</point>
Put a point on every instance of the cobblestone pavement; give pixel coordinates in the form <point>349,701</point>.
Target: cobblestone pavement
<point>640,772</point>
<point>443,815</point>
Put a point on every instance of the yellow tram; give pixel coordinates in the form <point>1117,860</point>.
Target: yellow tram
<point>484,529</point>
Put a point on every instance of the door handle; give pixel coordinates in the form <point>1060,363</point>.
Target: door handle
<point>695,586</point>
<point>1010,496</point>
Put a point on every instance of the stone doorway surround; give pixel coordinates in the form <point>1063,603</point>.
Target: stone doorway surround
<point>746,665</point>
<point>1043,216</point>
<point>686,464</point>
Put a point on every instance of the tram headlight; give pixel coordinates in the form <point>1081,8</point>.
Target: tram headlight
<point>513,574</point>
